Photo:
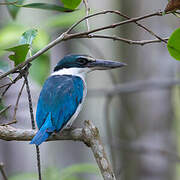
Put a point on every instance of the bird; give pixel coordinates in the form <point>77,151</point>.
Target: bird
<point>63,93</point>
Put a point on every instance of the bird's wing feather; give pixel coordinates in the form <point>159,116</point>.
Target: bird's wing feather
<point>60,96</point>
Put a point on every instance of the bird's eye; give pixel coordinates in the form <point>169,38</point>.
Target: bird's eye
<point>82,61</point>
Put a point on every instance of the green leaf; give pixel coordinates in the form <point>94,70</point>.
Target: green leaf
<point>47,7</point>
<point>174,44</point>
<point>71,4</point>
<point>13,10</point>
<point>20,53</point>
<point>28,36</point>
<point>40,69</point>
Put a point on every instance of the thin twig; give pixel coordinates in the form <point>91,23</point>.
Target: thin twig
<point>87,13</point>
<point>5,109</point>
<point>5,85</point>
<point>3,172</point>
<point>111,26</point>
<point>17,102</point>
<point>13,82</point>
<point>32,121</point>
<point>87,17</point>
<point>142,26</point>
<point>128,41</point>
<point>8,123</point>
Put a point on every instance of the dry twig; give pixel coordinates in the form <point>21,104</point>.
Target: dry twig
<point>5,109</point>
<point>17,102</point>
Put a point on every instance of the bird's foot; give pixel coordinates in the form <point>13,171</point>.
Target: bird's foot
<point>68,127</point>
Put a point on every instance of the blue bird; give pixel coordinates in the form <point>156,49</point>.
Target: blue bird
<point>63,93</point>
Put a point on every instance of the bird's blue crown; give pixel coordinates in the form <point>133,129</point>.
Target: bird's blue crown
<point>74,60</point>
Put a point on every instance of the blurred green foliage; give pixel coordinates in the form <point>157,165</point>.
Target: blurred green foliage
<point>9,35</point>
<point>69,173</point>
<point>40,69</point>
<point>64,20</point>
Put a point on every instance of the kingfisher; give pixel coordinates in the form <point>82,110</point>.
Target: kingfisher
<point>63,93</point>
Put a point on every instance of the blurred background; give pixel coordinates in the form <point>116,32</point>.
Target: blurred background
<point>139,124</point>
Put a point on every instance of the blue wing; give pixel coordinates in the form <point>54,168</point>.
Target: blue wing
<point>58,101</point>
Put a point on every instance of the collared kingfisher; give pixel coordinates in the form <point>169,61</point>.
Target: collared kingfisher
<point>63,93</point>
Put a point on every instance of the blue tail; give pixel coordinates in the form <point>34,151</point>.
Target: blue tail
<point>41,136</point>
<point>45,131</point>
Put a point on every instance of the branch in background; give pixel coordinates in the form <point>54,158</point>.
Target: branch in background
<point>109,129</point>
<point>17,102</point>
<point>143,148</point>
<point>89,134</point>
<point>134,87</point>
<point>3,172</point>
<point>65,36</point>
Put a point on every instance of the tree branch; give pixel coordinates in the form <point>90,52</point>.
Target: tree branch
<point>89,134</point>
<point>134,87</point>
<point>65,36</point>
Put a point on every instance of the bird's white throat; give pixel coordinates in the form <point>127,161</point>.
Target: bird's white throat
<point>81,72</point>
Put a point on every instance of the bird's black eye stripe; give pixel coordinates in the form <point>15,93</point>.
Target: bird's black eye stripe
<point>82,61</point>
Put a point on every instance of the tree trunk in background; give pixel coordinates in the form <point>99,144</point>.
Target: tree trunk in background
<point>146,118</point>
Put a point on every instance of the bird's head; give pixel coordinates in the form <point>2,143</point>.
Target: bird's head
<point>84,63</point>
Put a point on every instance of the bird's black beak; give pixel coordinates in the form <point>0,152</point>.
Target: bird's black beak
<point>100,64</point>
